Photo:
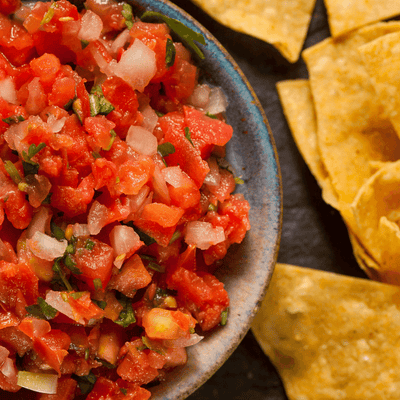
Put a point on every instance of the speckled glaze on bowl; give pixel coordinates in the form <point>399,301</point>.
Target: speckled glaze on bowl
<point>248,267</point>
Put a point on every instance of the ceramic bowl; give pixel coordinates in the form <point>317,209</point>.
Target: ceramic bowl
<point>248,267</point>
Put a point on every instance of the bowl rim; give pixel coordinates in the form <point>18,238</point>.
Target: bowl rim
<point>172,10</point>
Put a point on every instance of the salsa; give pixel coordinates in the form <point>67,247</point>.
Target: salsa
<point>116,205</point>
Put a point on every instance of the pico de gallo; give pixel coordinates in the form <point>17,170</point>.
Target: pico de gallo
<point>116,204</point>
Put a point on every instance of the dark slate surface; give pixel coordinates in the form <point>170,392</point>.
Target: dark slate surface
<point>313,233</point>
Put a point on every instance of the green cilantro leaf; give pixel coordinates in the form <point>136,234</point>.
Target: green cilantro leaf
<point>186,34</point>
<point>86,382</point>
<point>127,315</point>
<point>12,171</point>
<point>56,231</point>
<point>187,135</point>
<point>224,317</point>
<point>170,53</point>
<point>13,119</point>
<point>32,151</point>
<point>165,149</point>
<point>128,15</point>
<point>41,310</point>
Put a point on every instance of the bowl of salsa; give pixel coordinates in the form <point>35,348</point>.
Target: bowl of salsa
<point>140,201</point>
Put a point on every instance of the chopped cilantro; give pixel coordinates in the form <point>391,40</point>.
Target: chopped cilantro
<point>56,231</point>
<point>144,237</point>
<point>186,34</point>
<point>127,315</point>
<point>156,267</point>
<point>175,236</point>
<point>32,151</point>
<point>100,303</point>
<point>89,244</point>
<point>213,116</point>
<point>170,53</point>
<point>71,265</point>
<point>128,15</point>
<point>239,180</point>
<point>98,103</point>
<point>187,135</point>
<point>84,43</point>
<point>165,149</point>
<point>41,310</point>
<point>97,284</point>
<point>113,136</point>
<point>13,119</point>
<point>123,391</point>
<point>224,316</point>
<point>86,382</point>
<point>12,171</point>
<point>60,274</point>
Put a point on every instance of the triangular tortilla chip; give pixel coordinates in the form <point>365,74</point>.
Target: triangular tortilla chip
<point>346,15</point>
<point>352,128</point>
<point>284,24</point>
<point>382,59</point>
<point>298,107</point>
<point>330,336</point>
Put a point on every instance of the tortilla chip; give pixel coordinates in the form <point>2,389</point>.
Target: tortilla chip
<point>382,60</point>
<point>377,213</point>
<point>346,15</point>
<point>284,24</point>
<point>330,336</point>
<point>298,107</point>
<point>352,128</point>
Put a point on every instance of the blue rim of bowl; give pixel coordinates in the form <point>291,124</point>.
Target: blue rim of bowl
<point>219,63</point>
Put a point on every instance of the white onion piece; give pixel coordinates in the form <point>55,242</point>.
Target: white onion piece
<point>46,247</point>
<point>203,235</point>
<point>160,187</point>
<point>124,240</point>
<point>97,218</point>
<point>193,339</point>
<point>37,382</point>
<point>80,230</point>
<point>100,60</point>
<point>173,175</point>
<point>8,91</point>
<point>56,124</point>
<point>21,14</point>
<point>120,41</point>
<point>91,28</point>
<point>218,102</point>
<point>141,140</point>
<point>150,118</point>
<point>15,134</point>
<point>8,368</point>
<point>213,178</point>
<point>3,355</point>
<point>136,67</point>
<point>40,222</point>
<point>200,97</point>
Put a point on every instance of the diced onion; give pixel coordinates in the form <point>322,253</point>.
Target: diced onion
<point>42,383</point>
<point>80,230</point>
<point>40,222</point>
<point>200,97</point>
<point>91,28</point>
<point>218,102</point>
<point>150,118</point>
<point>203,235</point>
<point>7,90</point>
<point>136,67</point>
<point>174,176</point>
<point>124,240</point>
<point>55,299</point>
<point>141,140</point>
<point>183,342</point>
<point>97,218</point>
<point>161,192</point>
<point>120,41</point>
<point>56,124</point>
<point>213,178</point>
<point>46,247</point>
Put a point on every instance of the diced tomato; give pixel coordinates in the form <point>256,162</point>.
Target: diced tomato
<point>133,276</point>
<point>160,234</point>
<point>186,155</point>
<point>16,340</point>
<point>63,91</point>
<point>9,6</point>
<point>166,216</point>
<point>206,132</point>
<point>99,129</point>
<point>95,263</point>
<point>15,278</point>
<point>46,67</point>
<point>48,42</point>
